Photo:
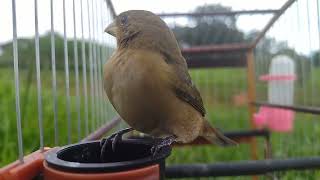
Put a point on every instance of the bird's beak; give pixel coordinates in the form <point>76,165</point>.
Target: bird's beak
<point>112,29</point>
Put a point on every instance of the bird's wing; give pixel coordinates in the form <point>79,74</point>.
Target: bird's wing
<point>183,86</point>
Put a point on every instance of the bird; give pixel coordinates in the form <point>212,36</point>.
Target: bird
<point>146,80</point>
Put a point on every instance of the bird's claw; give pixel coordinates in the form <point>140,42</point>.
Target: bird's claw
<point>106,139</point>
<point>117,138</point>
<point>114,138</point>
<point>159,144</point>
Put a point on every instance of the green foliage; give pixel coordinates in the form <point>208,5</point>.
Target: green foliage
<point>26,52</point>
<point>211,30</point>
<point>217,87</point>
<point>316,58</point>
<point>8,132</point>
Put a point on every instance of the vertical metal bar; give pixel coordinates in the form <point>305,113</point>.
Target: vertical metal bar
<point>54,77</point>
<point>76,69</point>
<point>84,74</point>
<point>99,59</point>
<point>251,97</point>
<point>102,60</point>
<point>66,66</point>
<point>318,86</point>
<point>91,68</point>
<point>301,62</point>
<point>108,46</point>
<point>38,71</point>
<point>312,101</point>
<point>16,79</point>
<point>95,64</point>
<point>318,24</point>
<point>99,43</point>
<point>106,42</point>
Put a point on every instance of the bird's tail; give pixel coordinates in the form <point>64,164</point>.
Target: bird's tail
<point>214,136</point>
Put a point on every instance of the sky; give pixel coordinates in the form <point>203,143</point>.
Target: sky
<point>25,18</point>
<point>293,26</point>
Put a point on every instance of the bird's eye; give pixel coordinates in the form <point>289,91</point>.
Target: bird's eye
<point>124,20</point>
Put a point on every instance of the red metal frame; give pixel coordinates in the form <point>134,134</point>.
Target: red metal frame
<point>221,48</point>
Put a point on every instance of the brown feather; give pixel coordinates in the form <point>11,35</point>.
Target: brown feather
<point>148,83</point>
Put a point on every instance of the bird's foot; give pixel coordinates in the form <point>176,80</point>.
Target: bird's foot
<point>160,143</point>
<point>115,138</point>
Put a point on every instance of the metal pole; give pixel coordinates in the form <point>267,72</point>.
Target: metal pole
<point>16,79</point>
<point>84,74</point>
<point>241,168</point>
<point>271,22</point>
<point>66,66</point>
<point>91,69</point>
<point>40,120</point>
<point>54,77</point>
<point>251,98</point>
<point>76,69</point>
<point>95,66</point>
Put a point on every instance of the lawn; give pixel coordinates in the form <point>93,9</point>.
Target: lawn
<point>219,89</point>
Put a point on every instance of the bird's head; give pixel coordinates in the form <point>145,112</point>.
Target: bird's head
<point>141,29</point>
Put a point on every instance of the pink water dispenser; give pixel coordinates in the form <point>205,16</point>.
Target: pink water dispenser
<point>280,91</point>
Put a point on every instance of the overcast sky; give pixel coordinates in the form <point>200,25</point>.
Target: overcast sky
<point>294,25</point>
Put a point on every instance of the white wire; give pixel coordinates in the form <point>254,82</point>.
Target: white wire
<point>84,74</point>
<point>91,69</point>
<point>66,64</point>
<point>95,66</point>
<point>76,69</point>
<point>38,71</point>
<point>99,63</point>
<point>54,77</point>
<point>102,56</point>
<point>98,99</point>
<point>311,60</point>
<point>16,79</point>
<point>108,46</point>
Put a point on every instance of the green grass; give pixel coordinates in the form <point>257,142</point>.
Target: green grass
<point>217,87</point>
<point>29,113</point>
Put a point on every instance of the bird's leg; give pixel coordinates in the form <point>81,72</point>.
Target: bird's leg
<point>163,142</point>
<point>115,138</point>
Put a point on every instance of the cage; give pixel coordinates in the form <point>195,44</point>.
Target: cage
<point>52,93</point>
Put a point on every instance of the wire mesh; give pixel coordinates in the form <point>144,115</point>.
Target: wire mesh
<point>296,36</point>
<point>55,108</point>
<point>73,103</point>
<point>224,88</point>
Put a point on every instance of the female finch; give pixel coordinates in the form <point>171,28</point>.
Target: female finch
<point>147,82</point>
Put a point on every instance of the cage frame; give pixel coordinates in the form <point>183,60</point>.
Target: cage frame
<point>253,167</point>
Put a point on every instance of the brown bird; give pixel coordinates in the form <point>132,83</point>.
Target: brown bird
<point>147,82</point>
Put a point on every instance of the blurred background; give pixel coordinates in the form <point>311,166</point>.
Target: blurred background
<point>73,103</point>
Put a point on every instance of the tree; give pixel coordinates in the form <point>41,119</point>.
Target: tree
<point>316,58</point>
<point>209,30</point>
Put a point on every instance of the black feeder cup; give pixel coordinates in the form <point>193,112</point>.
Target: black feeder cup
<point>132,160</point>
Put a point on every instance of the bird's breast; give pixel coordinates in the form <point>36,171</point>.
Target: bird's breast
<point>137,85</point>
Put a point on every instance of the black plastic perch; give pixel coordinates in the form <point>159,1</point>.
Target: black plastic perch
<point>241,168</point>
<point>132,159</point>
